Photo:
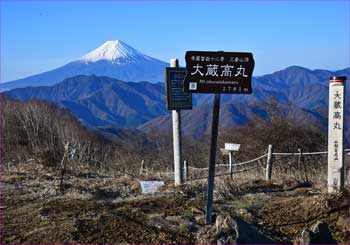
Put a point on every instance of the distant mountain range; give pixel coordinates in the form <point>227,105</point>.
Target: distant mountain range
<point>108,103</point>
<point>102,101</point>
<point>113,59</point>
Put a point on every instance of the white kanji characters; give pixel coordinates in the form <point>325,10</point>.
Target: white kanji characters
<point>226,72</point>
<point>241,71</point>
<point>197,70</point>
<point>212,70</point>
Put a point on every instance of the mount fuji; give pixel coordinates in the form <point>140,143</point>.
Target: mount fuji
<point>113,59</point>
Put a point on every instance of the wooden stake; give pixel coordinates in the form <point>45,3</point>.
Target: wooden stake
<point>269,162</point>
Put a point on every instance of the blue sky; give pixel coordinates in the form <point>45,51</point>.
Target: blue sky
<point>39,36</point>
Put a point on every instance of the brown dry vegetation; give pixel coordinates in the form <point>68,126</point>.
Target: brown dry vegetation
<point>109,208</point>
<point>100,200</point>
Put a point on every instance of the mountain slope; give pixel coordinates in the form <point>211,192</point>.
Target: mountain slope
<point>101,101</point>
<point>197,122</point>
<point>114,59</point>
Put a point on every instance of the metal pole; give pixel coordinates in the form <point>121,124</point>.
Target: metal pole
<point>176,115</point>
<point>213,142</point>
<point>269,162</point>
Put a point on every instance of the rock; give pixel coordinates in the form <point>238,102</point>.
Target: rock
<point>249,234</point>
<point>228,233</point>
<point>196,211</point>
<point>230,223</point>
<point>200,219</point>
<point>232,230</point>
<point>318,234</point>
<point>219,223</point>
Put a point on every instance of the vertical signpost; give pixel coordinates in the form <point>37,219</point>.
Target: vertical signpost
<point>336,125</point>
<point>217,73</point>
<point>177,100</point>
<point>229,149</point>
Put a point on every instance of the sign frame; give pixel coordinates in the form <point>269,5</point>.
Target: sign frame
<point>219,72</point>
<point>169,94</point>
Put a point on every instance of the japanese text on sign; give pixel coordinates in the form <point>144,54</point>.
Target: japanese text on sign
<point>336,124</point>
<point>218,72</point>
<point>176,98</point>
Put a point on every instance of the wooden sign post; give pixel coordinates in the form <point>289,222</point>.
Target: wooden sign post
<point>177,100</point>
<point>336,126</point>
<point>217,73</point>
<point>229,149</point>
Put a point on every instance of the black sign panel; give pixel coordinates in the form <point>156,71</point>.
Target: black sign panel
<point>219,72</point>
<point>176,98</point>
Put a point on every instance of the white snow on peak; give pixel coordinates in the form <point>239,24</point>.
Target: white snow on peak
<point>115,51</point>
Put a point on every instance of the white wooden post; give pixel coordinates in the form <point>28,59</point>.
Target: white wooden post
<point>176,115</point>
<point>142,167</point>
<point>269,162</point>
<point>230,162</point>
<point>185,171</point>
<point>299,163</point>
<point>336,119</point>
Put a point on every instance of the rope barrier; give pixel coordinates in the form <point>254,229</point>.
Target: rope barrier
<point>225,174</point>
<point>194,168</point>
<point>304,153</point>
<point>242,163</point>
<point>253,160</point>
<point>285,154</point>
<point>315,153</point>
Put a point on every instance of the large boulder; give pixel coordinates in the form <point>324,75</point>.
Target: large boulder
<point>319,233</point>
<point>232,230</point>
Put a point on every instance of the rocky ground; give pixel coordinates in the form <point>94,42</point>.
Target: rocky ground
<point>104,208</point>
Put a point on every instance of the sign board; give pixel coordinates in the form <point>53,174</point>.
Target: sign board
<point>232,147</point>
<point>336,132</point>
<point>219,72</point>
<point>176,98</point>
<point>150,186</point>
<point>224,151</point>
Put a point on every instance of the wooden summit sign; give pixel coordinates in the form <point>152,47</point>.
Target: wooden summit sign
<point>218,72</point>
<point>336,123</point>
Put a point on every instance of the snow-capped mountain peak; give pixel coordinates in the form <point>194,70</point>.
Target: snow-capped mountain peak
<point>115,51</point>
<point>114,59</point>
